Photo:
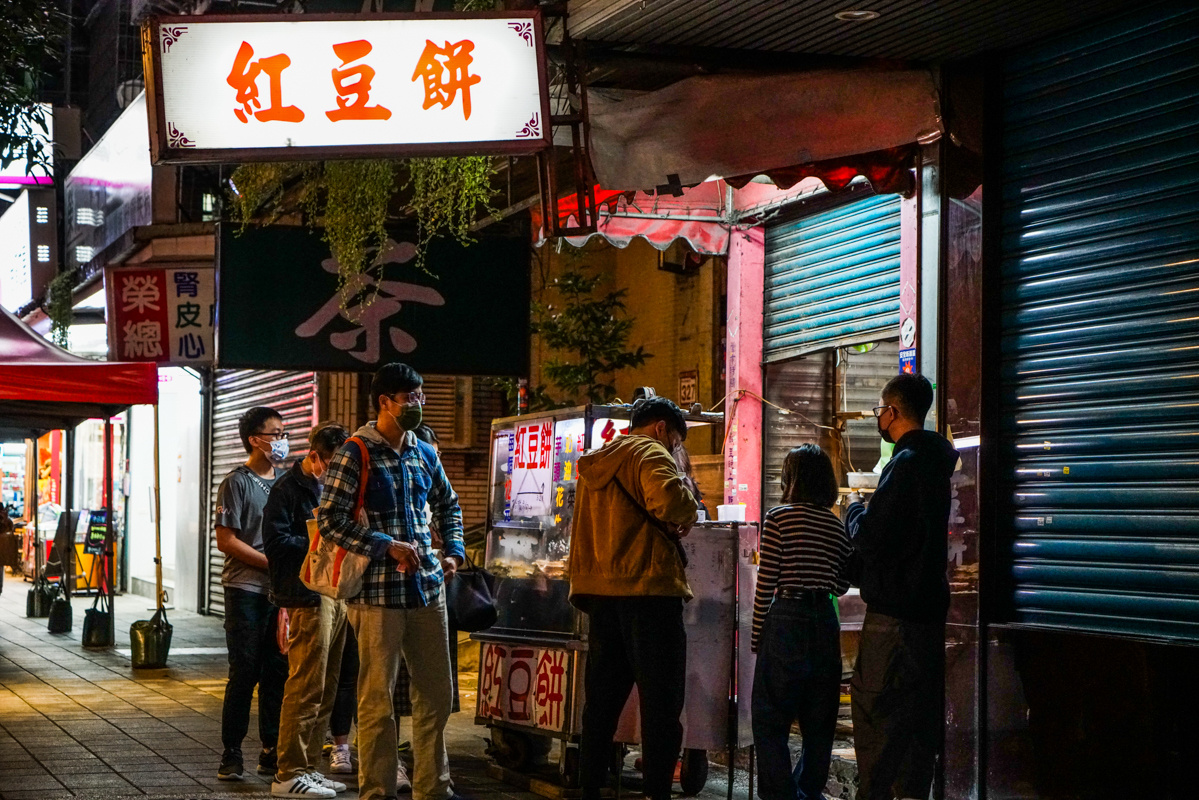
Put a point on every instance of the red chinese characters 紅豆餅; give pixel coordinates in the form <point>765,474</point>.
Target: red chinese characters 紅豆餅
<point>444,72</point>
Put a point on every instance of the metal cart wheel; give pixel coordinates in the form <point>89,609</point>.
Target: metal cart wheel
<point>693,776</point>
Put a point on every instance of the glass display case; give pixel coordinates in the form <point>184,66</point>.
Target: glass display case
<point>531,661</point>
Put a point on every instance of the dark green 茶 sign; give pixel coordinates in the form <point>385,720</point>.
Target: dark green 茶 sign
<point>279,307</point>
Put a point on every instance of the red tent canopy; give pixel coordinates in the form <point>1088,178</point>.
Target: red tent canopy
<point>43,387</point>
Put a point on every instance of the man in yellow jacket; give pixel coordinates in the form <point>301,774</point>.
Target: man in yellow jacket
<point>627,574</point>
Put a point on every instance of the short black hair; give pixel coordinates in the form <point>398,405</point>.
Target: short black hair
<point>426,434</point>
<point>808,477</point>
<point>252,421</point>
<point>327,438</point>
<point>392,378</point>
<point>911,393</point>
<point>654,409</point>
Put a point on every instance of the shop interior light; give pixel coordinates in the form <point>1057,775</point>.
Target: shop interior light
<point>856,16</point>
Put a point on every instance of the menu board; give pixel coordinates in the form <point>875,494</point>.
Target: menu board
<point>569,442</point>
<point>97,528</point>
<point>531,473</point>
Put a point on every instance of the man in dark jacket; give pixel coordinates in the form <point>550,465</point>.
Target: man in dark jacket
<point>901,542</point>
<point>317,625</point>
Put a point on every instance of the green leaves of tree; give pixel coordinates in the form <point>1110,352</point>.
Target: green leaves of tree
<point>590,336</point>
<point>30,34</point>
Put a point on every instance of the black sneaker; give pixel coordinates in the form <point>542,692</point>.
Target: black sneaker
<point>268,761</point>
<point>232,767</point>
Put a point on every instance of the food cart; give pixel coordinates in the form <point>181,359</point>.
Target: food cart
<point>532,661</point>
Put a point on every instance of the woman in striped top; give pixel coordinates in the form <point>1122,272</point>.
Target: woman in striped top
<point>804,558</point>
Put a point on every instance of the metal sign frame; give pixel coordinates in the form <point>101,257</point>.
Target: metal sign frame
<point>162,152</point>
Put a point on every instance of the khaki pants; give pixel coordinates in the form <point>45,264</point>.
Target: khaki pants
<point>316,638</point>
<point>421,636</point>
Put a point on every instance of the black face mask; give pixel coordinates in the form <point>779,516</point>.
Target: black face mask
<point>885,432</point>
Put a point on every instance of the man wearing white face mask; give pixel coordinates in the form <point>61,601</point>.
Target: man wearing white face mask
<point>316,625</point>
<point>250,617</point>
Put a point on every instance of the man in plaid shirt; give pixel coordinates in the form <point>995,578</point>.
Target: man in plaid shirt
<point>401,609</point>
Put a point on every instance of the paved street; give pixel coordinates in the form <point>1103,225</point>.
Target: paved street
<point>81,723</point>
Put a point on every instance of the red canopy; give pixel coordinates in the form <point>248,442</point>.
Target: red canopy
<point>43,387</point>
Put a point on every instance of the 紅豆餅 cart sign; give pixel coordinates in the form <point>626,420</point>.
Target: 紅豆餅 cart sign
<point>227,89</point>
<point>279,306</point>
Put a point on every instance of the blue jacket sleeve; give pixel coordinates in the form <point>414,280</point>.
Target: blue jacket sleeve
<point>443,502</point>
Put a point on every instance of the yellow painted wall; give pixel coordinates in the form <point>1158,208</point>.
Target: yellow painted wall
<point>676,318</point>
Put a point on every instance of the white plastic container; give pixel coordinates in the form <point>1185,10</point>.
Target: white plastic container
<point>731,513</point>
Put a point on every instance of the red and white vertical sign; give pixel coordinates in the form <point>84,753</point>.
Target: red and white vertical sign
<point>524,685</point>
<point>165,315</point>
<point>532,470</point>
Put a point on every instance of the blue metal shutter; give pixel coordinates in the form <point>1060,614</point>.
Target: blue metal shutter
<point>833,278</point>
<point>1100,331</point>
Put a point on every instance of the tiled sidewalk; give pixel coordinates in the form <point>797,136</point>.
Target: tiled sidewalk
<point>77,723</point>
<point>82,723</point>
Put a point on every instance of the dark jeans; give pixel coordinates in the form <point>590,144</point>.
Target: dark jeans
<point>346,702</point>
<point>898,692</point>
<point>797,678</point>
<point>634,640</point>
<point>254,660</point>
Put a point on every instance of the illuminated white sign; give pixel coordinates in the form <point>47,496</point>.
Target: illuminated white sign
<point>28,247</point>
<point>17,173</point>
<point>243,88</point>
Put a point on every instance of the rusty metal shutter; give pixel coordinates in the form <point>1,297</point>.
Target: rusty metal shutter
<point>292,394</point>
<point>1100,339</point>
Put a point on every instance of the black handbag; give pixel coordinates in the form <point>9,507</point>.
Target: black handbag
<point>470,599</point>
<point>39,598</point>
<point>60,618</point>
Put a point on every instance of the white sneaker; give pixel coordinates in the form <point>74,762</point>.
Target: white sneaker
<point>300,786</point>
<point>321,780</point>
<point>339,760</point>
<point>402,782</point>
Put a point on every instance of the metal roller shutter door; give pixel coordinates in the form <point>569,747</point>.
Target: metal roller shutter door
<point>1100,330</point>
<point>292,394</point>
<point>832,278</point>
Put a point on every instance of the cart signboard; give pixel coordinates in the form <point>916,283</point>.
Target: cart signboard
<point>525,685</point>
<point>237,88</point>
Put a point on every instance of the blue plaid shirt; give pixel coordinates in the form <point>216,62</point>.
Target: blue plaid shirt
<point>397,488</point>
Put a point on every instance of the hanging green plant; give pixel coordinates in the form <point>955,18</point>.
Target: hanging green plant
<point>59,306</point>
<point>251,186</point>
<point>446,196</point>
<point>353,205</point>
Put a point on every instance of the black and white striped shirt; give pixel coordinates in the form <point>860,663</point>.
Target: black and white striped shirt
<point>803,547</point>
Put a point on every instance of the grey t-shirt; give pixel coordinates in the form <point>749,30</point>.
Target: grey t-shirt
<point>239,505</point>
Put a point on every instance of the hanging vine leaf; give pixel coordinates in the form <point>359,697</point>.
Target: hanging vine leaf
<point>59,306</point>
<point>447,194</point>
